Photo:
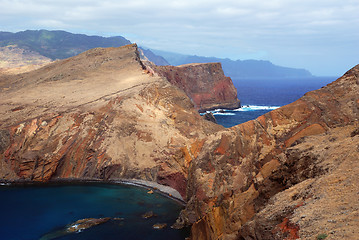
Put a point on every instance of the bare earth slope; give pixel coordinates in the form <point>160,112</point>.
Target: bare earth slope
<point>289,174</point>
<point>98,115</point>
<point>17,60</point>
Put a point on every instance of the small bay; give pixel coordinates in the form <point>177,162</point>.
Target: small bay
<point>37,211</point>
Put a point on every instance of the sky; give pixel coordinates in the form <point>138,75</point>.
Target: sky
<point>321,36</point>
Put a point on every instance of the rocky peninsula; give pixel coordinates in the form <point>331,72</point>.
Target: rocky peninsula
<point>98,115</point>
<point>204,83</point>
<point>105,115</point>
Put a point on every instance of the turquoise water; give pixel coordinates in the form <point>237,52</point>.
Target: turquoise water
<point>30,212</point>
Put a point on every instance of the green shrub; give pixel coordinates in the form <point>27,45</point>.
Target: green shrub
<point>322,236</point>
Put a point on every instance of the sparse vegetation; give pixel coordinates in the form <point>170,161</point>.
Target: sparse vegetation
<point>322,236</point>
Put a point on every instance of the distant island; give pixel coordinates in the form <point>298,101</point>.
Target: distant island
<point>244,69</point>
<point>61,44</point>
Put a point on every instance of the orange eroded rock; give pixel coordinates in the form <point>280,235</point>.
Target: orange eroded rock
<point>259,159</point>
<point>308,131</point>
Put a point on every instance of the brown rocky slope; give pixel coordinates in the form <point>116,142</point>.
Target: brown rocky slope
<point>289,174</point>
<point>17,60</point>
<point>98,115</point>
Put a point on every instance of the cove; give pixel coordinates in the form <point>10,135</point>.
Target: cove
<point>36,211</point>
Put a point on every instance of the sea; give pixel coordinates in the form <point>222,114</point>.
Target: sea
<point>259,96</point>
<point>42,212</point>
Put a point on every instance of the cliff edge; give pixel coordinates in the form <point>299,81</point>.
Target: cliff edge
<point>204,83</point>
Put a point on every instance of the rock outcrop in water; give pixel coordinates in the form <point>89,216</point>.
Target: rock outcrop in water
<point>85,223</point>
<point>289,174</point>
<point>76,227</point>
<point>204,83</point>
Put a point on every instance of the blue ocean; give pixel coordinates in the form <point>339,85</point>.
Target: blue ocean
<point>36,212</point>
<point>259,96</point>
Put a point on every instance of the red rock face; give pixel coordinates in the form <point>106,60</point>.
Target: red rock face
<point>205,84</point>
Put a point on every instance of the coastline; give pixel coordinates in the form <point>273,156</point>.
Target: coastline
<point>155,187</point>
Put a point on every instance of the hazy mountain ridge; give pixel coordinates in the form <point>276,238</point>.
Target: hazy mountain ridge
<point>62,44</point>
<point>58,44</point>
<point>148,55</point>
<point>240,68</point>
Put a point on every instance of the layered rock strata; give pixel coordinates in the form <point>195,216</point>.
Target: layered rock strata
<point>98,115</point>
<point>289,174</point>
<point>204,83</point>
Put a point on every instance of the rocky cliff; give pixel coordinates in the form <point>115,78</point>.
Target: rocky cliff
<point>98,115</point>
<point>289,174</point>
<point>204,83</point>
<point>292,173</point>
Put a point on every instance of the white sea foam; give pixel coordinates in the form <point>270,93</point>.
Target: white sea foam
<point>245,108</point>
<point>255,108</point>
<point>223,113</point>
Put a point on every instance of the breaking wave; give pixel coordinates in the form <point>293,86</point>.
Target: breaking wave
<point>224,113</point>
<point>245,108</point>
<point>255,108</point>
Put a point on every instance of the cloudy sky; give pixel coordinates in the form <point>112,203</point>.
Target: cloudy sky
<point>319,35</point>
